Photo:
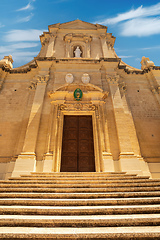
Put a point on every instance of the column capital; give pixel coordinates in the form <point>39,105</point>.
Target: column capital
<point>103,36</point>
<point>42,78</point>
<point>113,79</point>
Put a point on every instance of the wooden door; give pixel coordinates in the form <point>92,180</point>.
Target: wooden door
<point>77,145</point>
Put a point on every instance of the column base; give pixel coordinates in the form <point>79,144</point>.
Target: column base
<point>25,164</point>
<point>48,163</point>
<point>130,163</point>
<point>144,167</point>
<point>108,164</point>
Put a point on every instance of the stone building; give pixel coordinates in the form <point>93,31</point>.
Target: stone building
<point>78,107</point>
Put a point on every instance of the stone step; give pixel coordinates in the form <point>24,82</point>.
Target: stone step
<point>80,189</point>
<point>80,195</point>
<point>80,210</point>
<point>79,202</point>
<point>79,178</point>
<point>73,181</point>
<point>149,232</point>
<point>79,173</point>
<point>80,185</point>
<point>80,221</point>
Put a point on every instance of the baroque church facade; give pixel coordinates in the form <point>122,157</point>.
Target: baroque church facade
<point>77,107</point>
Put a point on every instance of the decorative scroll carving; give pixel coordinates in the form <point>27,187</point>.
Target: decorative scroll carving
<point>77,107</point>
<point>123,87</point>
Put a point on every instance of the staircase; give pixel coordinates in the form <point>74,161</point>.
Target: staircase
<point>80,206</point>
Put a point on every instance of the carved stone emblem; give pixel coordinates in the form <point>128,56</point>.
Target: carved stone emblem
<point>85,78</point>
<point>69,78</point>
<point>78,94</point>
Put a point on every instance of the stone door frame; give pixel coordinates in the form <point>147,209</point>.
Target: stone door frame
<point>68,110</point>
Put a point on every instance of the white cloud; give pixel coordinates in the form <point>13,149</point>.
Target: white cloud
<point>11,48</point>
<point>143,21</point>
<point>141,27</point>
<point>125,56</point>
<point>29,6</point>
<point>23,35</point>
<point>25,19</point>
<point>20,57</point>
<point>140,12</point>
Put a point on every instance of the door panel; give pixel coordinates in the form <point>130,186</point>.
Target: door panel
<point>77,145</point>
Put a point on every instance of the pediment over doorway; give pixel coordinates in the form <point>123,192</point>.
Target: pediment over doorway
<point>90,92</point>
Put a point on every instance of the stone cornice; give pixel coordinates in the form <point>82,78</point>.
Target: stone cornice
<point>132,71</point>
<point>136,71</point>
<point>20,70</point>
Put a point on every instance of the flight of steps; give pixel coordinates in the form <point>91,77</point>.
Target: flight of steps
<point>80,206</point>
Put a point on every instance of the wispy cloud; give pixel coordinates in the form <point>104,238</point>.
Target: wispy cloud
<point>18,46</point>
<point>125,56</point>
<point>141,27</point>
<point>143,21</point>
<point>29,6</point>
<point>25,19</point>
<point>153,10</point>
<point>150,48</point>
<point>23,35</point>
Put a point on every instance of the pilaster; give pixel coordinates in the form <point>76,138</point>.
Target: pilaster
<point>107,47</point>
<point>128,159</point>
<point>108,164</point>
<point>26,161</point>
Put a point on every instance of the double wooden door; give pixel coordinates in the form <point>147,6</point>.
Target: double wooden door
<point>77,144</point>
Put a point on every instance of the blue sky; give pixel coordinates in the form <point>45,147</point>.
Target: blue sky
<point>135,24</point>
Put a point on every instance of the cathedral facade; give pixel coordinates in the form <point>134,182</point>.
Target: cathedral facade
<point>77,107</point>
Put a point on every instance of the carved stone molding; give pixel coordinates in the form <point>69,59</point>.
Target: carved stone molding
<point>77,107</point>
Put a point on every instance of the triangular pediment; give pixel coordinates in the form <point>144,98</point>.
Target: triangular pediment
<point>77,24</point>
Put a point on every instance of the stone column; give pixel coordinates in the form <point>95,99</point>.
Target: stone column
<point>26,161</point>
<point>128,160</point>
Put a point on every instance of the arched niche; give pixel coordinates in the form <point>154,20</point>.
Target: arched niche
<point>74,40</point>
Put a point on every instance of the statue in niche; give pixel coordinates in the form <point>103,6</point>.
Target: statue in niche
<point>77,52</point>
